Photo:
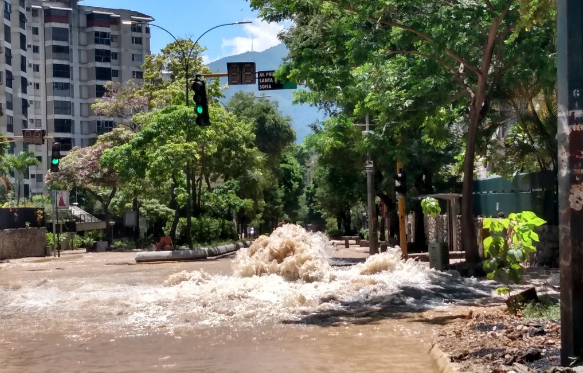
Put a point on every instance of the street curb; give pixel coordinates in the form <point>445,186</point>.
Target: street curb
<point>441,360</point>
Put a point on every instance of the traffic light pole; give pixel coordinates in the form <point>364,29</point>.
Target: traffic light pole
<point>570,147</point>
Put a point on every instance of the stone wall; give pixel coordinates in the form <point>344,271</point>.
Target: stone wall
<point>22,243</point>
<point>436,230</point>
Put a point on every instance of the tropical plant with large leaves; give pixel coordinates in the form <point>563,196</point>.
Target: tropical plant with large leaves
<point>19,164</point>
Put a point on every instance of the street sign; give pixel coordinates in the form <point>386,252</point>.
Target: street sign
<point>62,199</point>
<point>267,82</point>
<point>241,73</point>
<point>33,136</point>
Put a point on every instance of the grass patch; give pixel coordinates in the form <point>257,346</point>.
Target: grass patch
<point>548,309</point>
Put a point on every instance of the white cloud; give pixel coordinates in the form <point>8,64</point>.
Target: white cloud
<point>259,36</point>
<point>205,59</point>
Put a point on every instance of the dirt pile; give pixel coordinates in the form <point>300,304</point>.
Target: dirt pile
<point>494,341</point>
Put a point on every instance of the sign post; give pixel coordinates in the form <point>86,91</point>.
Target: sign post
<point>266,82</point>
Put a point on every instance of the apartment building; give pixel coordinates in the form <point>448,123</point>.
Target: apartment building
<point>55,59</point>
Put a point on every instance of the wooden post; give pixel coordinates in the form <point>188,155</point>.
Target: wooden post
<point>402,221</point>
<point>570,142</point>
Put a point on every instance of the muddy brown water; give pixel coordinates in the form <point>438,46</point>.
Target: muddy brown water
<point>63,338</point>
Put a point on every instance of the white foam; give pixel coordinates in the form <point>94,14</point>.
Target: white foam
<point>281,277</point>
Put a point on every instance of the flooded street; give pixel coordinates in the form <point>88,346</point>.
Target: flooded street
<point>100,312</point>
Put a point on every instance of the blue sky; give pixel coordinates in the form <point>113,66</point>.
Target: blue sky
<point>177,16</point>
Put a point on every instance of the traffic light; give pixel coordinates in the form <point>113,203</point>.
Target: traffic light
<point>200,103</point>
<point>56,157</point>
<point>401,182</point>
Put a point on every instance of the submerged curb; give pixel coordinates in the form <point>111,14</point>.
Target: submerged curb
<point>192,254</point>
<point>441,360</point>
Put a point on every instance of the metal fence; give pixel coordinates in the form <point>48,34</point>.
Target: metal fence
<point>535,192</point>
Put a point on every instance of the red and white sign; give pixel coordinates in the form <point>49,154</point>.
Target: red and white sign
<point>62,199</point>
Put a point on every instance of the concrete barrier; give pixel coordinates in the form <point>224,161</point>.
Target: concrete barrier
<point>193,254</point>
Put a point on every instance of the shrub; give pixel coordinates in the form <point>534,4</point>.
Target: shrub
<point>207,229</point>
<point>430,206</point>
<point>504,255</point>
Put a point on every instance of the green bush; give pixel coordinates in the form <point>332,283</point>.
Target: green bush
<point>509,245</point>
<point>76,242</point>
<point>207,229</point>
<point>430,206</point>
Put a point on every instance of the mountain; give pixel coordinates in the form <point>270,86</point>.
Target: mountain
<point>270,59</point>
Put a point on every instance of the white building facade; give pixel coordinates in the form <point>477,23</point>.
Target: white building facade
<point>56,57</point>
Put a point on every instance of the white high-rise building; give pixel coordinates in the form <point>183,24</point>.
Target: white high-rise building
<point>55,57</point>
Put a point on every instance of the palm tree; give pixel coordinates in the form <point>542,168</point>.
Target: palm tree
<point>19,164</point>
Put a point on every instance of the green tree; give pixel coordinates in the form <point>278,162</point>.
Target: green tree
<point>81,169</point>
<point>19,164</point>
<point>470,53</point>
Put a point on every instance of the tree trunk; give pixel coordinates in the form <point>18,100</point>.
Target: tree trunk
<point>137,227</point>
<point>420,239</point>
<point>108,232</point>
<point>347,221</point>
<point>382,229</point>
<point>468,230</point>
<point>176,206</point>
<point>18,194</point>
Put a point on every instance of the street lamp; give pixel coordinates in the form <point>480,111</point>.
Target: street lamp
<point>186,56</point>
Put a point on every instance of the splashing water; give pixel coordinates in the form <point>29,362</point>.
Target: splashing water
<point>289,252</point>
<point>283,277</point>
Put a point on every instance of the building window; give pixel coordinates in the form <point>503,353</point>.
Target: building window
<point>137,27</point>
<point>24,124</point>
<point>99,90</point>
<point>102,38</point>
<point>35,30</point>
<point>114,73</point>
<point>35,49</point>
<point>61,89</point>
<point>63,107</point>
<point>114,55</point>
<point>22,63</point>
<point>147,29</point>
<point>36,68</point>
<point>23,42</point>
<point>35,12</point>
<point>22,19</point>
<point>10,123</point>
<point>9,104</point>
<point>21,3</point>
<point>36,85</point>
<point>25,106</point>
<point>56,15</point>
<point>137,58</point>
<point>114,21</point>
<point>39,177</point>
<point>60,52</point>
<point>98,20</point>
<point>9,78</point>
<point>103,73</point>
<point>66,143</point>
<point>104,126</point>
<point>7,36</point>
<point>102,55</point>
<point>114,38</point>
<point>36,106</point>
<point>38,123</point>
<point>61,71</point>
<point>63,125</point>
<point>60,34</point>
<point>8,56</point>
<point>7,10</point>
<point>24,85</point>
<point>136,40</point>
<point>137,75</point>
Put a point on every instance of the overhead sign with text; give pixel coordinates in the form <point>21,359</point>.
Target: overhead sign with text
<point>266,82</point>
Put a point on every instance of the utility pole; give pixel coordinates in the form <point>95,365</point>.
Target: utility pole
<point>570,189</point>
<point>372,229</point>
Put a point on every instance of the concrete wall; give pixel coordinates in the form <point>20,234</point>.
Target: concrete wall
<point>22,243</point>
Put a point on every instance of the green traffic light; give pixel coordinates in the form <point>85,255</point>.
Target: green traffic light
<point>199,109</point>
<point>55,161</point>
